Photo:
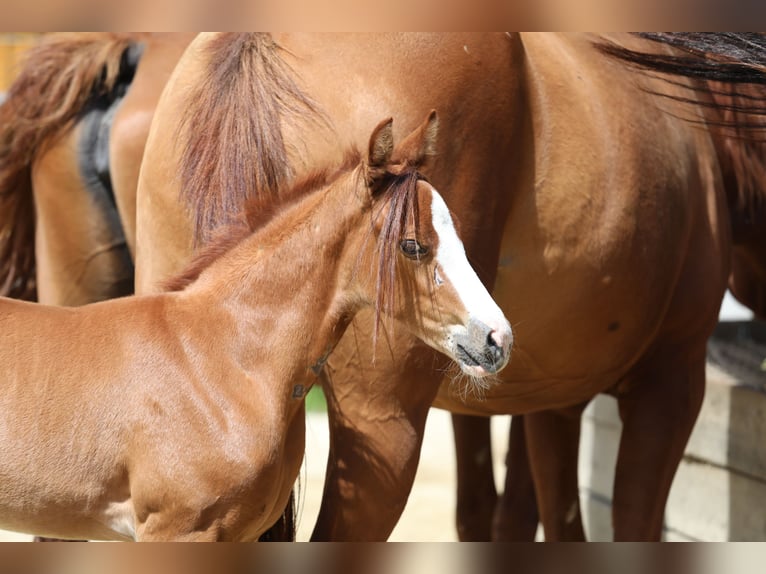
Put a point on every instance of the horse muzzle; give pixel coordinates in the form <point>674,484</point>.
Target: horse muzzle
<point>481,350</point>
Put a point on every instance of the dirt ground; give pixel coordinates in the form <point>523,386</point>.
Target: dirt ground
<point>430,512</point>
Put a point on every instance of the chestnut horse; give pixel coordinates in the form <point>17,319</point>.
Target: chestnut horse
<point>600,221</point>
<point>73,137</point>
<point>180,416</point>
<point>720,63</point>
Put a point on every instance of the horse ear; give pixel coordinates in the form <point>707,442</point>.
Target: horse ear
<point>418,145</point>
<point>381,144</point>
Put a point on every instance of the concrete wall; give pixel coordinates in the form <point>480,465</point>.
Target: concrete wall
<point>719,492</point>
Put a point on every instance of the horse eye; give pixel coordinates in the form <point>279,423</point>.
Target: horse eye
<point>412,249</point>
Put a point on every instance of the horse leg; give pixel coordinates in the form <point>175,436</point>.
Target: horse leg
<point>377,418</point>
<point>553,441</point>
<point>476,494</point>
<point>658,413</point>
<point>516,515</point>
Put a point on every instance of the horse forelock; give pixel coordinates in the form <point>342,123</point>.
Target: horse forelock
<point>232,129</point>
<point>399,193</point>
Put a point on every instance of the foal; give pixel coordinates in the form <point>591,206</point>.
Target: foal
<point>180,416</point>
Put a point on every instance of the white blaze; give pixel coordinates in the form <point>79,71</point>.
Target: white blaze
<point>452,260</point>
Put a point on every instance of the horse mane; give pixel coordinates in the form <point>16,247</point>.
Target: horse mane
<point>729,73</point>
<point>733,57</point>
<point>234,148</point>
<point>58,78</point>
<point>397,190</point>
<point>255,214</point>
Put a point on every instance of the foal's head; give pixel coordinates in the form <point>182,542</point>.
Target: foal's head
<point>422,276</point>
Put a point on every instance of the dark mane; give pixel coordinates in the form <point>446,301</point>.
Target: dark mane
<point>728,74</point>
<point>234,146</point>
<point>733,57</point>
<point>58,79</point>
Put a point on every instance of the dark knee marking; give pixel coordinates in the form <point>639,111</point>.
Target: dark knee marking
<point>613,326</point>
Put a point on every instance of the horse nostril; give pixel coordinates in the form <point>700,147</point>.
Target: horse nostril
<point>495,347</point>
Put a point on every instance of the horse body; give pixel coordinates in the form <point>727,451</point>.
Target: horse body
<point>187,422</point>
<point>137,427</point>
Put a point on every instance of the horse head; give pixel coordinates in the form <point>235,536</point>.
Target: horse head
<point>424,279</point>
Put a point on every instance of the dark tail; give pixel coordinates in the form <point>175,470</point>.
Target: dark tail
<point>56,81</point>
<point>730,69</point>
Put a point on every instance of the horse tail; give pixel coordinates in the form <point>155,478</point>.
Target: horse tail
<point>58,78</point>
<point>234,148</point>
<point>731,57</point>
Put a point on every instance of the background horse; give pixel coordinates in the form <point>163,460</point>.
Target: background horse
<point>62,161</point>
<point>597,218</point>
<point>187,422</point>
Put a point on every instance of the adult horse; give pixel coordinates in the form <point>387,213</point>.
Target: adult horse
<point>726,72</point>
<point>596,213</point>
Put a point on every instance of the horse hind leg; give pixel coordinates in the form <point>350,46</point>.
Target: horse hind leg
<point>553,442</point>
<point>516,516</point>
<point>476,493</point>
<point>658,413</point>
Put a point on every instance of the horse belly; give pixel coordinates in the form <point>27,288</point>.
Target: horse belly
<point>608,250</point>
<point>24,508</point>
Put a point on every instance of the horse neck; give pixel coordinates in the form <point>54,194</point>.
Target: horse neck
<point>289,288</point>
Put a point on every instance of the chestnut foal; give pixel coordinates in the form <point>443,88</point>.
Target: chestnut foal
<point>180,416</point>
